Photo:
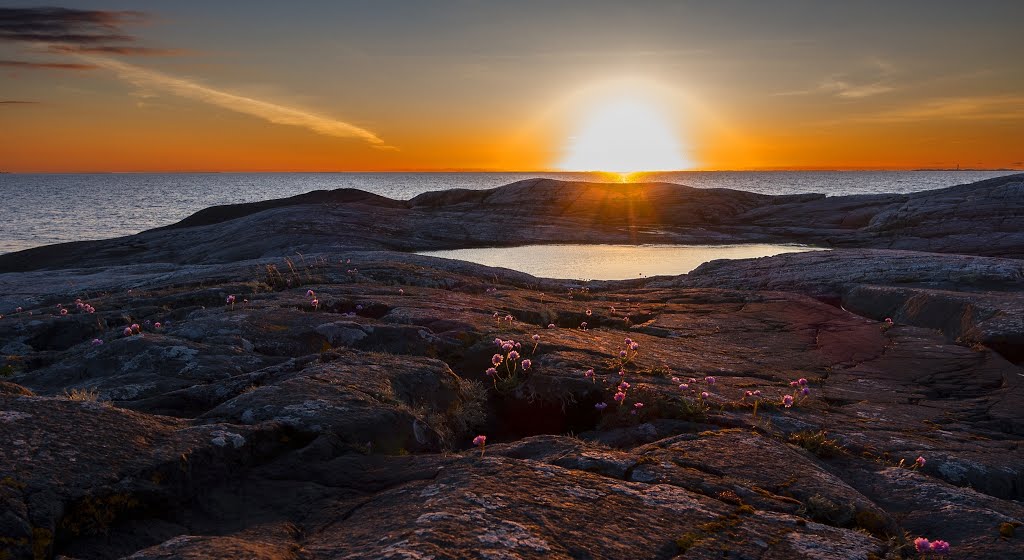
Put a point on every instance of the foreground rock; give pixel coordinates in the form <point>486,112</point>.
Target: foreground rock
<point>274,427</point>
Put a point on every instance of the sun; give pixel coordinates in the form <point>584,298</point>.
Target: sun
<point>625,134</point>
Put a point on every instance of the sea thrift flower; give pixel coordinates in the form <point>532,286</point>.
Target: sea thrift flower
<point>136,328</point>
<point>481,442</point>
<point>704,395</point>
<point>589,313</point>
<point>888,321</point>
<point>940,547</point>
<point>683,386</point>
<point>496,359</point>
<point>315,303</point>
<point>401,292</point>
<point>805,391</point>
<point>96,342</point>
<point>634,346</point>
<point>919,462</point>
<point>801,382</point>
<point>922,545</point>
<point>491,372</point>
<point>590,373</point>
<point>128,331</point>
<point>622,354</point>
<point>527,364</point>
<point>675,379</point>
<point>231,300</point>
<point>63,311</point>
<point>359,307</point>
<point>757,393</point>
<point>794,384</point>
<point>623,386</point>
<point>619,397</point>
<point>583,325</point>
<point>787,401</point>
<point>509,318</point>
<point>709,380</point>
<point>536,338</point>
<point>498,342</point>
<point>638,405</point>
<point>157,325</point>
<point>309,293</point>
<point>551,325</point>
<point>601,405</point>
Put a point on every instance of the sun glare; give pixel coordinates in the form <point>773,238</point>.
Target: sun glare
<point>625,135</point>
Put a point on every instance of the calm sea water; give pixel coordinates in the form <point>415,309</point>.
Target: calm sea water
<point>50,208</point>
<point>611,262</point>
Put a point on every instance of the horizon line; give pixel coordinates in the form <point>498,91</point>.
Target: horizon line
<point>517,171</point>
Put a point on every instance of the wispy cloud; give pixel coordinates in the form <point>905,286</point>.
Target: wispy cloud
<point>17,102</point>
<point>870,79</point>
<point>986,107</point>
<point>271,112</point>
<point>127,50</point>
<point>66,25</point>
<point>45,65</point>
<point>846,90</point>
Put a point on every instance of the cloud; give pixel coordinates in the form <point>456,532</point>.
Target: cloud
<point>847,90</point>
<point>271,112</point>
<point>45,65</point>
<point>17,102</point>
<point>987,107</point>
<point>64,25</point>
<point>126,50</point>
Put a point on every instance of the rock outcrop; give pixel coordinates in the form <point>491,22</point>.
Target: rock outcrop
<point>274,427</point>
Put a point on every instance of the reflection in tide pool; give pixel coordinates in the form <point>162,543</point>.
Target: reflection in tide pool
<point>611,262</point>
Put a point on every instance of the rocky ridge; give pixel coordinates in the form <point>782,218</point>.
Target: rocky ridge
<point>273,427</point>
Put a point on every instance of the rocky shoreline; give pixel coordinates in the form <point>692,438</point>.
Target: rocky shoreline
<point>300,385</point>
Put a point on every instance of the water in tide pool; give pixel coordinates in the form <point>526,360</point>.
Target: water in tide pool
<point>51,208</point>
<point>611,262</point>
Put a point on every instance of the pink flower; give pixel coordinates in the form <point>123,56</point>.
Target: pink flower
<point>888,321</point>
<point>794,384</point>
<point>508,345</point>
<point>63,311</point>
<point>622,354</point>
<point>623,386</point>
<point>629,341</point>
<point>136,328</point>
<point>230,299</point>
<point>709,380</point>
<point>491,372</point>
<point>583,325</point>
<point>498,342</point>
<point>601,405</point>
<point>527,364</point>
<point>509,318</point>
<point>757,393</point>
<point>97,342</point>
<point>157,325</point>
<point>802,382</point>
<point>940,547</point>
<point>619,397</point>
<point>309,293</point>
<point>128,331</point>
<point>513,355</point>
<point>315,303</point>
<point>589,313</point>
<point>683,386</point>
<point>787,401</point>
<point>359,307</point>
<point>747,394</point>
<point>675,379</point>
<point>805,391</point>
<point>589,373</point>
<point>635,346</point>
<point>496,359</point>
<point>401,292</point>
<point>922,545</point>
<point>704,395</point>
<point>479,441</point>
<point>638,405</point>
<point>551,325</point>
<point>536,338</point>
<point>919,461</point>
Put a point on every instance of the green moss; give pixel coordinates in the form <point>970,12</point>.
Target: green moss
<point>746,510</point>
<point>42,539</point>
<point>818,443</point>
<point>687,541</point>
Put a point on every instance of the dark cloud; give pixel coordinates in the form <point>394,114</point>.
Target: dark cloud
<point>64,25</point>
<point>17,102</point>
<point>45,65</point>
<point>126,50</point>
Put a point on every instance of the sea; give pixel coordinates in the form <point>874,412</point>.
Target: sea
<point>40,209</point>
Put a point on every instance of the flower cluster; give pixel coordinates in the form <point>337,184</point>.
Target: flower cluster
<point>629,352</point>
<point>132,330</point>
<point>923,545</point>
<point>507,364</point>
<point>480,441</point>
<point>84,307</point>
<point>800,391</point>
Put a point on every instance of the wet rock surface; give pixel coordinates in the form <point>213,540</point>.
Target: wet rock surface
<point>275,427</point>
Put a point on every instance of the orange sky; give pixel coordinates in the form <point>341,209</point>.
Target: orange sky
<point>346,86</point>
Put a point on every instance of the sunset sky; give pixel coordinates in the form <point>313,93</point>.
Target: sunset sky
<point>475,85</point>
